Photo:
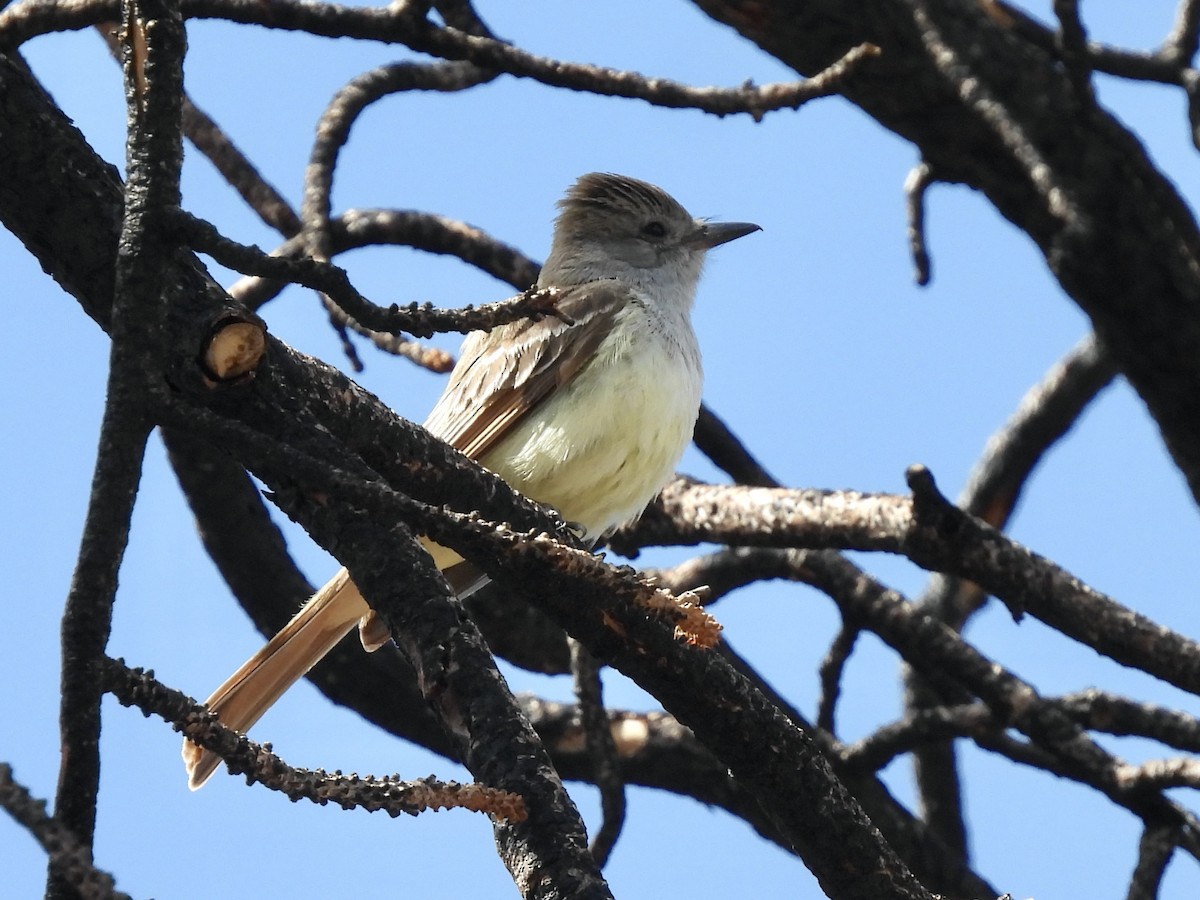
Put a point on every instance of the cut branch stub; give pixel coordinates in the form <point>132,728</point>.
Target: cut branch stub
<point>234,348</point>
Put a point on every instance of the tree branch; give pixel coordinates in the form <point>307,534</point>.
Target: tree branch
<point>936,536</point>
<point>154,149</point>
<point>70,859</point>
<point>1130,259</point>
<point>135,687</point>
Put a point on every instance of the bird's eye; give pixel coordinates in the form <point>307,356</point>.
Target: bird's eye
<point>654,229</point>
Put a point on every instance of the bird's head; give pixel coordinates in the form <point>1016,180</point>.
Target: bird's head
<point>613,226</point>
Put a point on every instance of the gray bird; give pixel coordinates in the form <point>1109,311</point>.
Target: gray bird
<point>588,413</point>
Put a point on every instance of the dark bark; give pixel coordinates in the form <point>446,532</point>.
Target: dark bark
<point>291,395</point>
<point>990,100</point>
<point>987,108</point>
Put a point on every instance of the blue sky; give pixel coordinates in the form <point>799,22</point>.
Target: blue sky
<point>819,350</point>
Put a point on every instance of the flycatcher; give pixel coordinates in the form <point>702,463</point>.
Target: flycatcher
<point>588,413</point>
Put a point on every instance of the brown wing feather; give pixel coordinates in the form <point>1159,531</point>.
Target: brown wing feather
<point>507,372</point>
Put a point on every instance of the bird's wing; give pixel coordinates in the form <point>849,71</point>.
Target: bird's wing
<point>505,373</point>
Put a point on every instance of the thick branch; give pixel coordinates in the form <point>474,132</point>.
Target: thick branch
<point>154,154</point>
<point>934,535</point>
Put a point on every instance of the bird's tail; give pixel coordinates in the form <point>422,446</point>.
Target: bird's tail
<point>313,631</point>
<point>249,692</point>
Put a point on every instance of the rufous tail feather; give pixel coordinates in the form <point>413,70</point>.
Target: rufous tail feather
<point>251,690</point>
<point>323,621</point>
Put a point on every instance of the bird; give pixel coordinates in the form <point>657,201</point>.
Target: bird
<point>587,411</point>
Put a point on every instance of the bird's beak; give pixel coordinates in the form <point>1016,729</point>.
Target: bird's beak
<point>713,234</point>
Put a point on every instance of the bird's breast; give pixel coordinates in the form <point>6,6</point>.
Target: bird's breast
<point>604,444</point>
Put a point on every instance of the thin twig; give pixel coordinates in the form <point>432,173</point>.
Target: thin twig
<point>1169,65</point>
<point>138,688</point>
<point>333,129</point>
<point>602,750</point>
<point>830,671</point>
<point>29,18</point>
<point>883,745</point>
<point>1181,44</point>
<point>422,320</point>
<point>715,440</point>
<point>935,763</point>
<point>242,175</point>
<point>70,860</point>
<point>419,230</point>
<point>755,101</point>
<point>918,182</point>
<point>1072,43</point>
<point>435,359</point>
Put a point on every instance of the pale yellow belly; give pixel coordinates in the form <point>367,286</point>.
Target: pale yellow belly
<point>604,445</point>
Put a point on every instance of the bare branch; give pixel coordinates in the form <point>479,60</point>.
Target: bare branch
<point>422,231</point>
<point>878,749</point>
<point>602,748</point>
<point>1167,66</point>
<point>755,101</point>
<point>1103,711</point>
<point>1180,45</point>
<point>830,671</point>
<point>775,760</point>
<point>1044,415</point>
<point>339,116</point>
<point>1155,848</point>
<point>993,490</point>
<point>219,148</point>
<point>934,535</point>
<point>916,185</point>
<point>1072,44</point>
<point>434,359</point>
<point>136,687</point>
<point>29,18</point>
<point>154,151</point>
<point>936,652</point>
<point>460,14</point>
<point>989,102</point>
<point>944,659</point>
<point>422,320</point>
<point>1010,132</point>
<point>70,860</point>
<point>1160,774</point>
<point>714,439</point>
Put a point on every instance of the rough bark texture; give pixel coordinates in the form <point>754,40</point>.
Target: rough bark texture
<point>993,111</point>
<point>987,104</point>
<point>294,400</point>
